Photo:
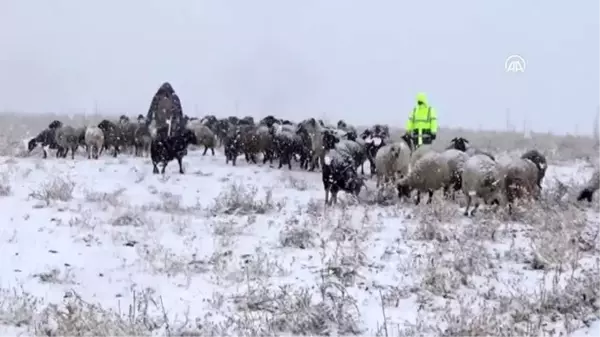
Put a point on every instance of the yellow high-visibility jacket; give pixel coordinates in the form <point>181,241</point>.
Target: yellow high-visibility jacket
<point>422,117</point>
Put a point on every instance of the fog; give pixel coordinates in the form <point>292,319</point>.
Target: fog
<point>363,61</point>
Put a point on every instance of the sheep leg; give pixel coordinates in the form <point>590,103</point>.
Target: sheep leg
<point>372,167</point>
<point>155,170</point>
<point>468,205</point>
<point>430,192</point>
<point>446,192</point>
<point>212,149</point>
<point>289,161</point>
<point>475,207</point>
<point>418,198</point>
<point>165,163</point>
<point>326,196</point>
<point>205,149</point>
<point>334,196</point>
<point>180,162</point>
<point>73,149</point>
<point>312,165</point>
<point>280,161</point>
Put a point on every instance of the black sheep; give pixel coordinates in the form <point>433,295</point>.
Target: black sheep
<point>165,149</point>
<point>338,171</point>
<point>232,145</point>
<point>47,139</point>
<point>112,136</point>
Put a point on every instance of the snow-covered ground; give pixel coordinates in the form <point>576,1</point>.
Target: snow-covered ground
<point>107,248</point>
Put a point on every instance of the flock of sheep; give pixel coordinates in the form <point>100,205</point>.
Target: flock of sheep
<point>338,150</point>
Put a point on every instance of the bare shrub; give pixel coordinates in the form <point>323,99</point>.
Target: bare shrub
<point>228,227</point>
<point>76,317</point>
<point>17,307</point>
<point>292,236</point>
<point>241,199</point>
<point>130,217</point>
<point>169,203</point>
<point>112,198</point>
<point>288,310</point>
<point>58,189</point>
<point>5,188</point>
<point>56,276</point>
<point>295,183</point>
<point>257,266</point>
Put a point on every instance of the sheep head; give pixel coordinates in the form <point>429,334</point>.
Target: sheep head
<point>189,137</point>
<point>31,144</point>
<point>329,140</point>
<point>586,194</point>
<point>55,124</point>
<point>351,135</point>
<point>409,141</point>
<point>540,162</point>
<point>459,143</point>
<point>106,125</point>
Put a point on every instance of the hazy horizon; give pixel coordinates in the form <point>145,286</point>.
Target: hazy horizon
<point>364,62</point>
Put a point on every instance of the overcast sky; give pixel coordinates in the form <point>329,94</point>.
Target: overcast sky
<point>360,60</point>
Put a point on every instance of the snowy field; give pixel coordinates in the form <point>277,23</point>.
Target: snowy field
<point>107,248</point>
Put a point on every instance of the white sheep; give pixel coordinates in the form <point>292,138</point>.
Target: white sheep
<point>456,160</point>
<point>419,152</point>
<point>392,162</point>
<point>590,187</point>
<point>428,174</point>
<point>94,141</point>
<point>204,135</point>
<point>481,179</point>
<point>522,177</point>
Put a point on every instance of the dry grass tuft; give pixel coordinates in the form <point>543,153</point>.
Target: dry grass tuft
<point>240,199</point>
<point>58,189</point>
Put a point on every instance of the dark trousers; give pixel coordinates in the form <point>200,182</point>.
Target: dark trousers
<point>426,135</point>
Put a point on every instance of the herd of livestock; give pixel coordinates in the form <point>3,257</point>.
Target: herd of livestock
<point>339,151</point>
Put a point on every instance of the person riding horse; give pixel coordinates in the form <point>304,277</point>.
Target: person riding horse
<point>165,110</point>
